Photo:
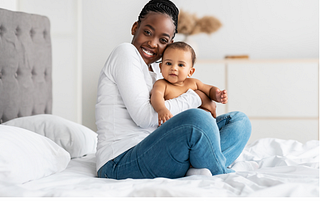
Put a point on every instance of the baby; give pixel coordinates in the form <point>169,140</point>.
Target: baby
<point>177,64</point>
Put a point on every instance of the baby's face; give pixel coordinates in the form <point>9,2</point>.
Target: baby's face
<point>176,65</point>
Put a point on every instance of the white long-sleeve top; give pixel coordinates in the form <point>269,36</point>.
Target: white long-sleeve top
<point>124,114</point>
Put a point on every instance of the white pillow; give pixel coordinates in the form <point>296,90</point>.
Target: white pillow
<point>75,138</point>
<point>26,156</point>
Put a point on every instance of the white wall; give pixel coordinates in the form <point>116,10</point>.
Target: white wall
<point>8,4</point>
<point>273,29</point>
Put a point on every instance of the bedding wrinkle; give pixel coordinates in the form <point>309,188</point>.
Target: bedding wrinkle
<point>238,185</point>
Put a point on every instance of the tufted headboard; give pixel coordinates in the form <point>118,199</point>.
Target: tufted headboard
<point>25,65</point>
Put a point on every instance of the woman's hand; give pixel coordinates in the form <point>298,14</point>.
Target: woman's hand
<point>207,103</point>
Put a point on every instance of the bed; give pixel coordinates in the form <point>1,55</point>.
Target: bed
<point>44,155</point>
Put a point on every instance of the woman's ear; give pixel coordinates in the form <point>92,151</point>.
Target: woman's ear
<point>192,70</point>
<point>134,28</point>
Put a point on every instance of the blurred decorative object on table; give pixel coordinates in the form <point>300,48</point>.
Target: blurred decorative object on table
<point>189,24</point>
<point>237,57</point>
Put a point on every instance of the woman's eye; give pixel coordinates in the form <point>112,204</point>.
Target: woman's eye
<point>147,32</point>
<point>164,41</point>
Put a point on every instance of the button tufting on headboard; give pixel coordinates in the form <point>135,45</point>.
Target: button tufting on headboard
<point>33,72</point>
<point>32,32</point>
<point>18,31</point>
<point>25,65</point>
<point>2,29</point>
<point>45,34</point>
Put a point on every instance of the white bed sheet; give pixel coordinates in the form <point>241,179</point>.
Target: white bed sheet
<point>266,168</point>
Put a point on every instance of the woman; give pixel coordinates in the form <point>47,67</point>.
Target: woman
<point>129,143</point>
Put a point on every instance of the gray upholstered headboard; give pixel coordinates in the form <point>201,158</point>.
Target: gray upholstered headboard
<point>25,65</point>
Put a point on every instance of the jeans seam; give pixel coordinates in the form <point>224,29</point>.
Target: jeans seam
<point>223,118</point>
<point>214,155</point>
<point>212,150</point>
<point>239,120</point>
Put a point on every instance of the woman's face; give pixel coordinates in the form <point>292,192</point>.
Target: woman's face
<point>152,35</point>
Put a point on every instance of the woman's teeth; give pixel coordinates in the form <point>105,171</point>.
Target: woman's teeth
<point>147,52</point>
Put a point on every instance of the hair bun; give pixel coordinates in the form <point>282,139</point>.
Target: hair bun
<point>161,6</point>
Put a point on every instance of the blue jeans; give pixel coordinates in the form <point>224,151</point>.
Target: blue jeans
<point>192,137</point>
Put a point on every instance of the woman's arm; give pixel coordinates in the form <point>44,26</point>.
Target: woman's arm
<point>133,82</point>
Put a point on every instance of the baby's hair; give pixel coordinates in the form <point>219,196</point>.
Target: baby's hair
<point>161,6</point>
<point>182,46</point>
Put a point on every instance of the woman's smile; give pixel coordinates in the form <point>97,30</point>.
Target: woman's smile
<point>148,53</point>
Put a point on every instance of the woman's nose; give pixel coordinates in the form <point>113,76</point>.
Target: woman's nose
<point>153,43</point>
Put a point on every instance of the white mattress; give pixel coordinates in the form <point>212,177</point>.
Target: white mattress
<point>268,167</point>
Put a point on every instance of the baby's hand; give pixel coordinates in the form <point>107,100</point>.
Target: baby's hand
<point>163,116</point>
<point>222,96</point>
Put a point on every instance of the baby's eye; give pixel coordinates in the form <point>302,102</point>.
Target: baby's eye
<point>181,65</point>
<point>168,63</point>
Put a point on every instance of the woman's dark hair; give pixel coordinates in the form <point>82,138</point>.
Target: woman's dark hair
<point>161,6</point>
